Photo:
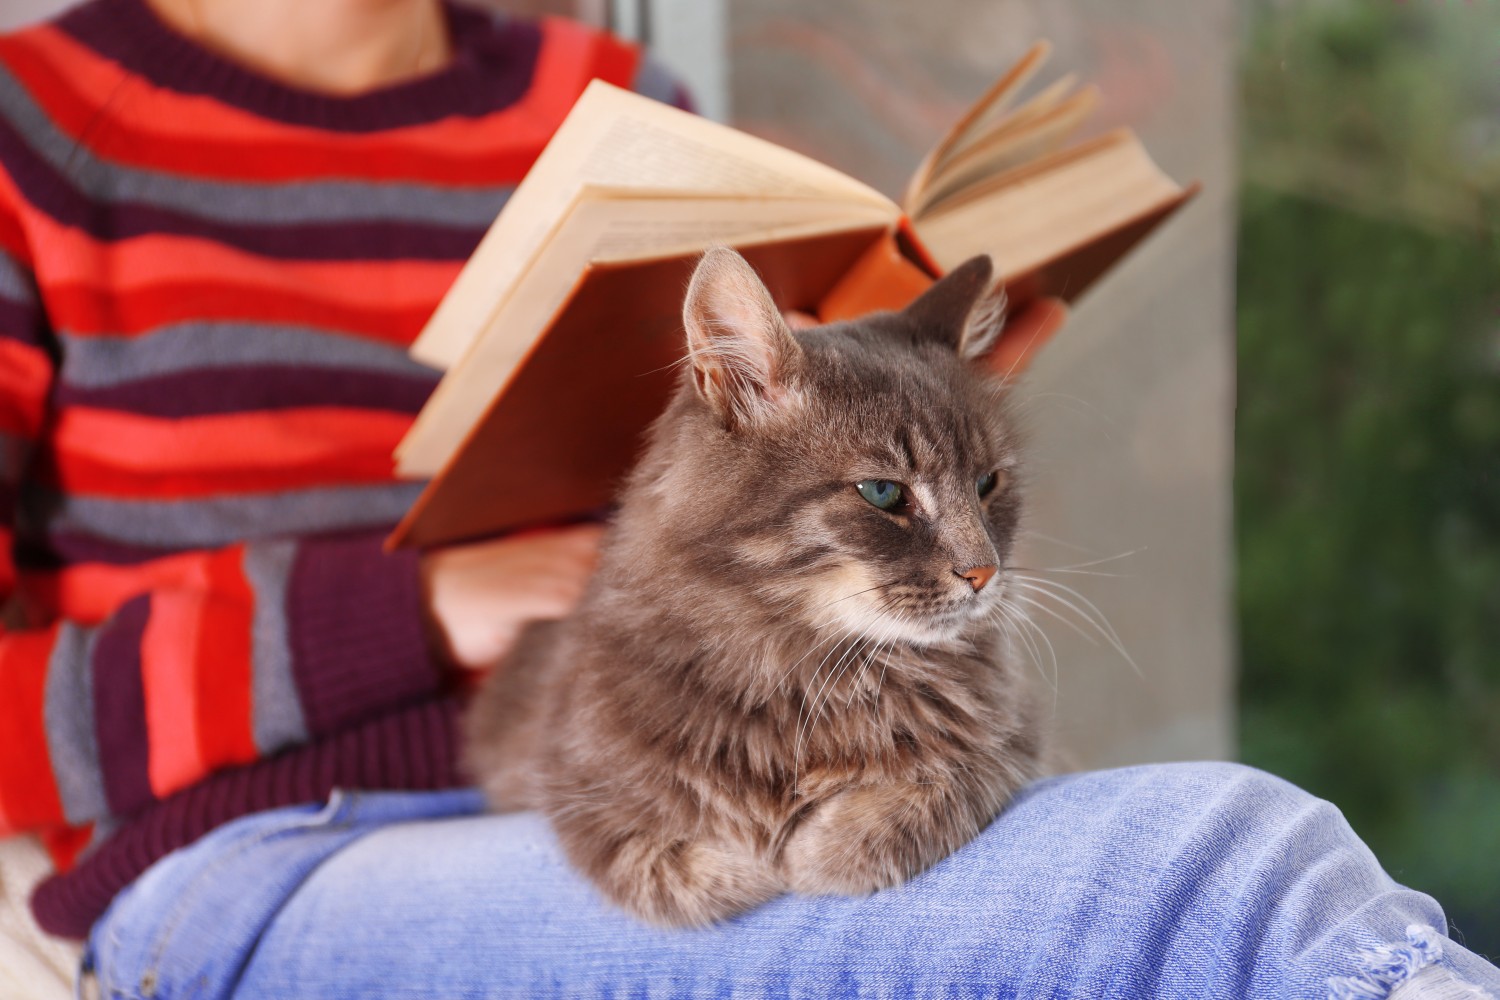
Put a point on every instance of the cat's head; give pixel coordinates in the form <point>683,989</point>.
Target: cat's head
<point>860,475</point>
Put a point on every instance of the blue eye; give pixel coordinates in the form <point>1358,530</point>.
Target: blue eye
<point>987,482</point>
<point>881,493</point>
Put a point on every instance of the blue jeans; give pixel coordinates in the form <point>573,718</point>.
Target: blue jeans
<point>1204,880</point>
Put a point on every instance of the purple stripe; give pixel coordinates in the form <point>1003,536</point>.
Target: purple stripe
<point>120,707</point>
<point>492,67</point>
<point>202,392</point>
<point>354,623</point>
<point>58,550</point>
<point>7,501</point>
<point>22,321</point>
<point>56,195</point>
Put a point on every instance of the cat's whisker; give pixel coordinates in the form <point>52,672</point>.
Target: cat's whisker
<point>1066,569</point>
<point>1100,562</point>
<point>1031,602</point>
<point>834,673</point>
<point>1016,620</point>
<point>1025,627</point>
<point>835,637</point>
<point>880,682</point>
<point>1096,619</point>
<point>840,600</point>
<point>1060,543</point>
<point>1051,587</point>
<point>888,640</point>
<point>802,710</point>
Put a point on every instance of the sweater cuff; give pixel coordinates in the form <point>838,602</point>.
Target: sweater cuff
<point>356,633</point>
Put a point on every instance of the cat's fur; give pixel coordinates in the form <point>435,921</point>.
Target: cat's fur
<point>771,684</point>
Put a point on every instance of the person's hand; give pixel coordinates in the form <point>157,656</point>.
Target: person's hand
<point>479,596</point>
<point>1025,333</point>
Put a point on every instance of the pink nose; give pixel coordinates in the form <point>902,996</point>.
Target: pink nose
<point>977,576</point>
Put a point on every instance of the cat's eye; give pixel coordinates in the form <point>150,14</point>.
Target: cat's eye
<point>987,483</point>
<point>881,493</point>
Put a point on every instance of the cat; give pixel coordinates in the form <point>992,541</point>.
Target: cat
<point>788,673</point>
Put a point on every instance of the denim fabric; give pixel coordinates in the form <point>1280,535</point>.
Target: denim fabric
<point>1202,880</point>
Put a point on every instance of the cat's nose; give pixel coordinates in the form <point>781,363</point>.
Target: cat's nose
<point>977,576</point>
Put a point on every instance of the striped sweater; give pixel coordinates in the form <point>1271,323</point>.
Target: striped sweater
<point>207,284</point>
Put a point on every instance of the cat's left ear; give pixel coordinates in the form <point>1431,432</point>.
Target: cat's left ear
<point>965,308</point>
<point>742,352</point>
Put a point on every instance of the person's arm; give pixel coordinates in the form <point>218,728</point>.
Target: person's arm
<point>120,684</point>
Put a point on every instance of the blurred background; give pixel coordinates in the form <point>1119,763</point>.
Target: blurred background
<point>1367,439</point>
<point>1310,582</point>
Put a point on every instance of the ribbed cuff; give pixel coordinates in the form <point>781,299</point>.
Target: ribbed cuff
<point>355,624</point>
<point>414,749</point>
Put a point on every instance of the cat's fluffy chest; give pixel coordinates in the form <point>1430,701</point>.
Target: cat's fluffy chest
<point>759,754</point>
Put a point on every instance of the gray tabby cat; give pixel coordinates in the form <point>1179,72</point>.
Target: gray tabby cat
<point>787,673</point>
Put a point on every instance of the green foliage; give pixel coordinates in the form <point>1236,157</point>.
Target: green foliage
<point>1368,496</point>
<point>1368,434</point>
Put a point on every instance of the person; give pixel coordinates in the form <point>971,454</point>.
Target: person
<point>231,715</point>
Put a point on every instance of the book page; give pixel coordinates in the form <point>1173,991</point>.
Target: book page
<point>995,131</point>
<point>602,226</point>
<point>616,139</point>
<point>991,105</point>
<point>1048,209</point>
<point>1006,148</point>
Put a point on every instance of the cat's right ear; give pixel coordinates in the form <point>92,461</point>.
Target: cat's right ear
<point>741,350</point>
<point>964,308</point>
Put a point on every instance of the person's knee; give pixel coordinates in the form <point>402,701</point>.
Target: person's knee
<point>1215,781</point>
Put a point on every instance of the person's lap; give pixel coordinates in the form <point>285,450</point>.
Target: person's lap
<point>1203,880</point>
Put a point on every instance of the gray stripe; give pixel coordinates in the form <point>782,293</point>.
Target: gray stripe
<point>276,711</point>
<point>15,284</point>
<point>215,521</point>
<point>262,202</point>
<point>69,719</point>
<point>95,361</point>
<point>652,80</point>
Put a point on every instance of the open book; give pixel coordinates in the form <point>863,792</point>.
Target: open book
<point>560,335</point>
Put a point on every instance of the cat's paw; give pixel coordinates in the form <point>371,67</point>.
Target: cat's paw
<point>688,883</point>
<point>866,839</point>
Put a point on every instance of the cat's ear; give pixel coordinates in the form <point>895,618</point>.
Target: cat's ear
<point>965,308</point>
<point>740,348</point>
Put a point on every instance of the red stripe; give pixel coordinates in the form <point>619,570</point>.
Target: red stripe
<point>89,593</point>
<point>12,236</point>
<point>28,794</point>
<point>116,455</point>
<point>153,127</point>
<point>614,61</point>
<point>82,311</point>
<point>25,378</point>
<point>70,257</point>
<point>225,731</point>
<point>169,647</point>
<point>65,843</point>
